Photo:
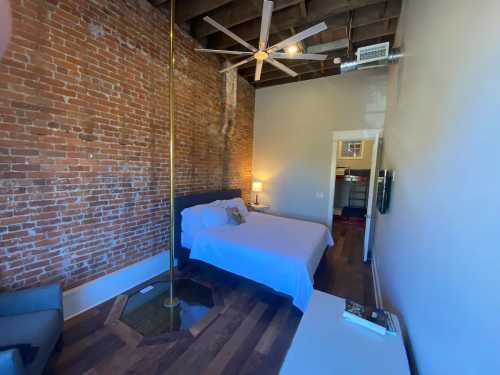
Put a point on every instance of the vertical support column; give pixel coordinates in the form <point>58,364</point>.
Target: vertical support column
<point>171,302</point>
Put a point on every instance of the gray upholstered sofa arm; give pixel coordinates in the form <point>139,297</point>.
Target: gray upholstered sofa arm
<point>46,297</point>
<point>11,363</point>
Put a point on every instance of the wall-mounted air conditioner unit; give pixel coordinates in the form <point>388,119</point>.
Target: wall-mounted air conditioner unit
<point>375,52</point>
<point>369,57</point>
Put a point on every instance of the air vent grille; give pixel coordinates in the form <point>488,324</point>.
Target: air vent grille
<point>374,52</point>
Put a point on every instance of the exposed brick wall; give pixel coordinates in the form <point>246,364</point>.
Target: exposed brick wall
<point>84,138</point>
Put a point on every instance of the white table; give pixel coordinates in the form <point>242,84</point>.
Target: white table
<point>327,344</point>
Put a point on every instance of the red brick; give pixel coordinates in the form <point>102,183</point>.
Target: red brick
<point>24,152</point>
<point>90,118</point>
<point>25,167</point>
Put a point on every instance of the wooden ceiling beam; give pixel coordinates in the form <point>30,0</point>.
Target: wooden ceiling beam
<point>304,77</point>
<point>248,71</point>
<point>329,35</point>
<point>303,8</point>
<point>372,31</point>
<point>362,36</point>
<point>381,39</point>
<point>327,72</point>
<point>159,3</point>
<point>333,13</point>
<point>328,47</point>
<point>373,21</point>
<point>189,9</point>
<point>239,11</point>
<point>374,13</point>
<point>282,21</point>
<point>300,69</point>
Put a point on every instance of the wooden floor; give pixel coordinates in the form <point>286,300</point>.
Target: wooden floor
<point>342,271</point>
<point>247,332</point>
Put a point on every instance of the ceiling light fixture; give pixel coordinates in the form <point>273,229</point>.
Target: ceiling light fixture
<point>292,50</point>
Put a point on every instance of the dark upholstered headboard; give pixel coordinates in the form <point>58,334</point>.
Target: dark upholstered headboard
<point>182,254</point>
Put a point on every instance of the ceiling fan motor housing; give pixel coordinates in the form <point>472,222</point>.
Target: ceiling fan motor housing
<point>261,55</point>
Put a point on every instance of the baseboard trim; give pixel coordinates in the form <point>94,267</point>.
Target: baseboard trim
<point>376,283</point>
<point>95,292</point>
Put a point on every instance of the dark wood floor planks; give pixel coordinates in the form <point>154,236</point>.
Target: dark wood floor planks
<point>220,363</point>
<point>342,271</point>
<point>249,332</point>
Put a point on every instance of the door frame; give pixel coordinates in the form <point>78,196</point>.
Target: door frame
<point>356,135</point>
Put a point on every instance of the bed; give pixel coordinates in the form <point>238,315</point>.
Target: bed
<point>278,252</point>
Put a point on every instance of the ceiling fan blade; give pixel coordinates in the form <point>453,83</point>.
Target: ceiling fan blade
<point>298,37</point>
<point>258,69</point>
<point>299,56</point>
<point>282,67</point>
<point>248,59</point>
<point>230,34</point>
<point>222,51</point>
<point>267,13</point>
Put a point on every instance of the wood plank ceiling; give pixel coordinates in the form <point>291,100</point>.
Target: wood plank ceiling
<point>351,24</point>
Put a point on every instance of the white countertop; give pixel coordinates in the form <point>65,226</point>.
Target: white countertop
<point>327,344</point>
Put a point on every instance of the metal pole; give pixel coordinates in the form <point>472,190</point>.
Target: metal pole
<point>172,301</point>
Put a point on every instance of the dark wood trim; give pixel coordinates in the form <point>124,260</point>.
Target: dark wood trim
<point>368,21</point>
<point>238,12</point>
<point>189,9</point>
<point>333,13</point>
<point>303,77</point>
<point>371,31</point>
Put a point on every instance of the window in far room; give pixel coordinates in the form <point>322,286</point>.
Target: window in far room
<point>351,149</point>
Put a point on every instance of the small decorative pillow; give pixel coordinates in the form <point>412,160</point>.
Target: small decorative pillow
<point>235,216</point>
<point>237,203</point>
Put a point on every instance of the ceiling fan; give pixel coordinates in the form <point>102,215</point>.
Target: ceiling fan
<point>264,52</point>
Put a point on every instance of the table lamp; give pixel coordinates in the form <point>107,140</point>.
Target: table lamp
<point>256,188</point>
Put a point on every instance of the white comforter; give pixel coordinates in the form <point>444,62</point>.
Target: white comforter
<point>275,251</point>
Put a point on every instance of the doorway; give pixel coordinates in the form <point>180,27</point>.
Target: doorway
<point>353,179</point>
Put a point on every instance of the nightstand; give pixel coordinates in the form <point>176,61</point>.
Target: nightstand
<point>259,207</point>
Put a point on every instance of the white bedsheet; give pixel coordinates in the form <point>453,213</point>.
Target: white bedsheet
<point>280,253</point>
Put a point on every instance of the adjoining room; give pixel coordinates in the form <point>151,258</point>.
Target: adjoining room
<point>248,187</point>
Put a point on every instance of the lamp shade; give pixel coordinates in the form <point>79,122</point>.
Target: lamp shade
<point>257,186</point>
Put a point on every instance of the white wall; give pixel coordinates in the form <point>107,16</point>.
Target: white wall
<point>102,289</point>
<point>293,136</point>
<point>437,250</point>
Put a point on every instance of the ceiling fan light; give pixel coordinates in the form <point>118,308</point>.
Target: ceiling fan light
<point>292,50</point>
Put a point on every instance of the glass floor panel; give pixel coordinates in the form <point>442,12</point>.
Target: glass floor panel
<point>145,311</point>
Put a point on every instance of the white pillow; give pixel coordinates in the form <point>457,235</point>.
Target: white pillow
<point>192,222</point>
<point>236,203</point>
<point>214,217</point>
